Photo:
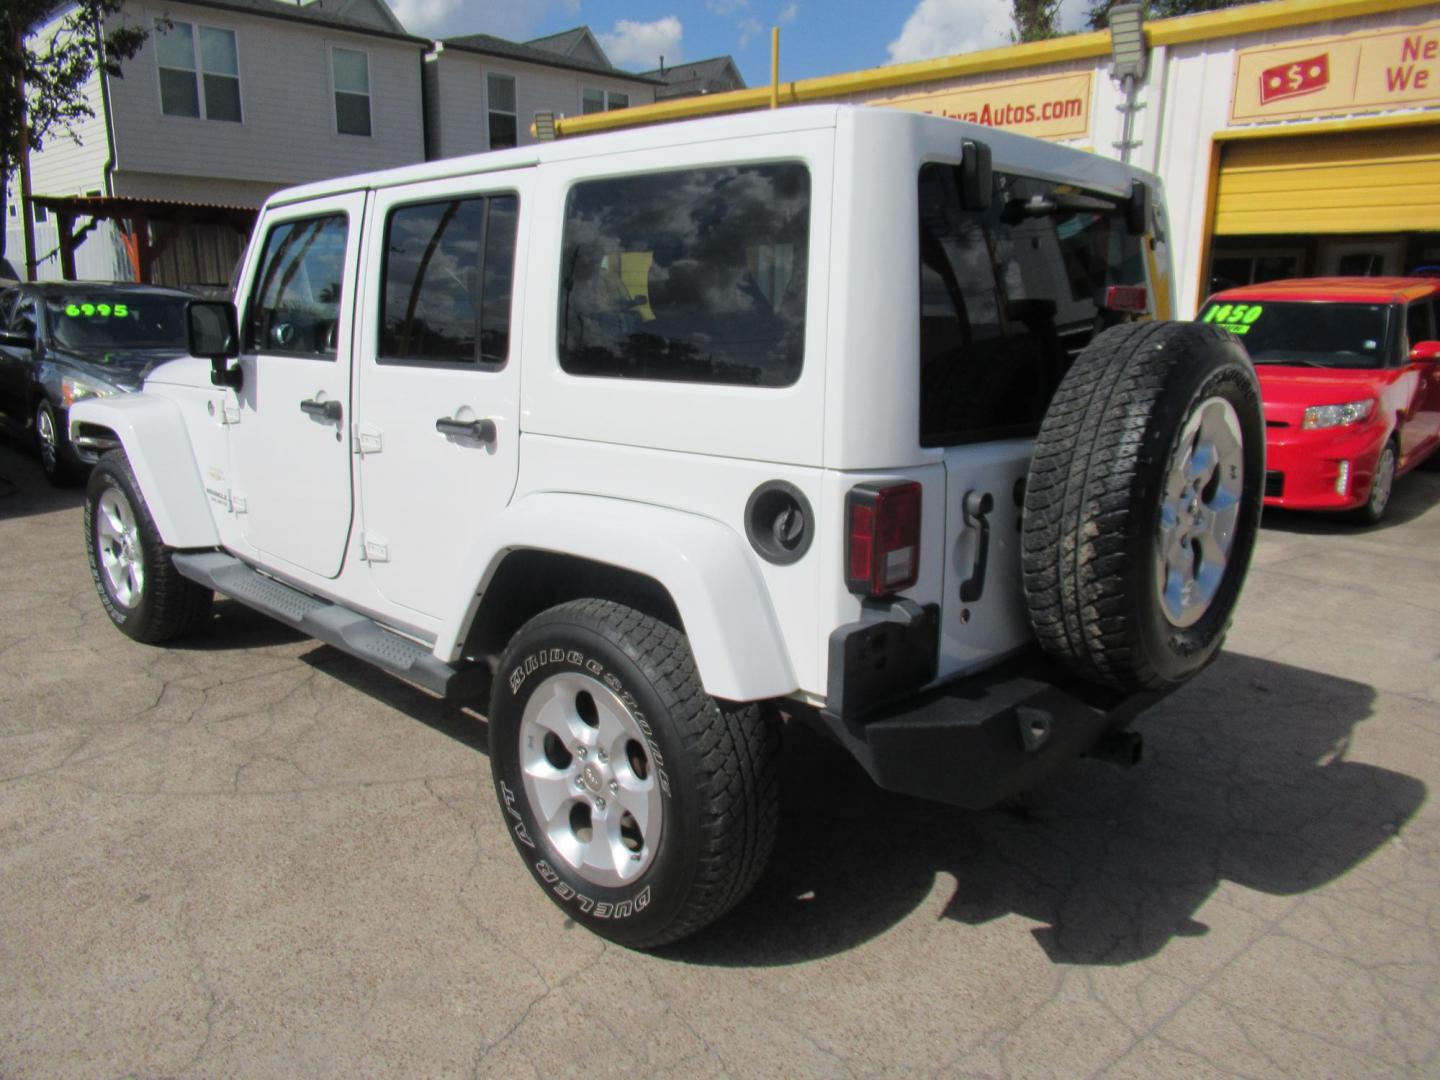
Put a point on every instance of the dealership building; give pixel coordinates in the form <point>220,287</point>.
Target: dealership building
<point>1293,138</point>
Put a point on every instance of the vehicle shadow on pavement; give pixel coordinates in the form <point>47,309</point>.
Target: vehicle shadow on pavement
<point>234,626</point>
<point>1246,779</point>
<point>1415,493</point>
<point>460,720</point>
<point>23,488</point>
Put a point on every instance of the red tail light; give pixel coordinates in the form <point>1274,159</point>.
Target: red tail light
<point>1132,299</point>
<point>882,543</point>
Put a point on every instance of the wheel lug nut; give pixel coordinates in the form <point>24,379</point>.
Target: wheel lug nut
<point>580,752</point>
<point>603,758</point>
<point>599,804</point>
<point>614,787</point>
<point>579,781</point>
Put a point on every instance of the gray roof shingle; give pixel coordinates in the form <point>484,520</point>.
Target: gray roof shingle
<point>515,50</point>
<point>313,14</point>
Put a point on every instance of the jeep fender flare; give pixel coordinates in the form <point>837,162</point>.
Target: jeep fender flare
<point>703,564</point>
<point>157,444</point>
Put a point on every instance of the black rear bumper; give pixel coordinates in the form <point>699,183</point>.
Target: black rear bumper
<point>982,739</point>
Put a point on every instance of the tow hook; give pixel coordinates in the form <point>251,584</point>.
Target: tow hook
<point>1120,748</point>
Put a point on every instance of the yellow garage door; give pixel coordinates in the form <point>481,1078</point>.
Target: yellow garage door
<point>1385,180</point>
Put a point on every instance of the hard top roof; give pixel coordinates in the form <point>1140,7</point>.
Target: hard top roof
<point>1338,290</point>
<point>1036,156</point>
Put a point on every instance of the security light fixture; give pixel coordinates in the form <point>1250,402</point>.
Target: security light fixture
<point>1127,41</point>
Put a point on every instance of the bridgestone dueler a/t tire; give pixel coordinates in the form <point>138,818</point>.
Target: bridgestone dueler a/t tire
<point>1093,502</point>
<point>716,764</point>
<point>169,605</point>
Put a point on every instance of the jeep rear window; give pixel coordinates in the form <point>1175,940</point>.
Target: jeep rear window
<point>1008,297</point>
<point>687,276</point>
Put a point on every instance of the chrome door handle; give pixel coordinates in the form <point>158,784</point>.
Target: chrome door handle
<point>479,430</point>
<point>326,410</point>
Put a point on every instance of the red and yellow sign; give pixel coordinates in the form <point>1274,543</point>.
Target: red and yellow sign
<point>1337,76</point>
<point>1049,107</point>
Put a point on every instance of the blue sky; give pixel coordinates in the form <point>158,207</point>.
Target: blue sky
<point>817,37</point>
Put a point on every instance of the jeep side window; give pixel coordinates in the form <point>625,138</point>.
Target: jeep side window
<point>687,276</point>
<point>1008,297</point>
<point>449,270</point>
<point>295,305</point>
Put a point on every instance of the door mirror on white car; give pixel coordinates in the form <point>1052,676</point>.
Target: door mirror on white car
<point>213,332</point>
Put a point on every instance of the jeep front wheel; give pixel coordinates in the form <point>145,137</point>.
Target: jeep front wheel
<point>140,589</point>
<point>643,807</point>
<point>1143,503</point>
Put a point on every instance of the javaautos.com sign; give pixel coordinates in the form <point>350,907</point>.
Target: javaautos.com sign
<point>1048,107</point>
<point>1337,76</point>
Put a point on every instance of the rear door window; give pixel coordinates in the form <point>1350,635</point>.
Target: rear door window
<point>449,270</point>
<point>1008,297</point>
<point>687,276</point>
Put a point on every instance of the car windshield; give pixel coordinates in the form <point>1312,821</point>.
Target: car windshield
<point>130,320</point>
<point>1310,333</point>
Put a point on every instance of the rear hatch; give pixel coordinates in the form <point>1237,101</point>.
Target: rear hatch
<point>1008,297</point>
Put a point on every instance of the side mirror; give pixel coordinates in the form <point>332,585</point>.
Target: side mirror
<point>1137,209</point>
<point>977,179</point>
<point>17,340</point>
<point>213,332</point>
<point>1425,350</point>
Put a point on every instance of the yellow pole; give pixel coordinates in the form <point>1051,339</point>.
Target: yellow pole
<point>774,67</point>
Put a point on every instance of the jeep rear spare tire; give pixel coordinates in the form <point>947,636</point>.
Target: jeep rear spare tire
<point>642,806</point>
<point>1143,504</point>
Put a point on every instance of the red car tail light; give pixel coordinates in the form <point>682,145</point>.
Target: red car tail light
<point>882,541</point>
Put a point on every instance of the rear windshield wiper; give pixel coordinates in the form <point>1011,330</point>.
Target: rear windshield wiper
<point>1059,202</point>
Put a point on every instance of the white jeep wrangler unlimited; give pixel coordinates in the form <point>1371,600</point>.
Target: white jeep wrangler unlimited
<point>664,437</point>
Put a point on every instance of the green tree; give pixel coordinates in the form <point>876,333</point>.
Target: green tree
<point>1035,20</point>
<point>53,73</point>
<point>1098,15</point>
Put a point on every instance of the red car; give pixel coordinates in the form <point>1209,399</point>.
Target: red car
<point>1350,376</point>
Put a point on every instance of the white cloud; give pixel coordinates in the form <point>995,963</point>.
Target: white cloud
<point>418,16</point>
<point>503,18</point>
<point>788,14</point>
<point>750,29</point>
<point>944,27</point>
<point>725,7</point>
<point>640,45</point>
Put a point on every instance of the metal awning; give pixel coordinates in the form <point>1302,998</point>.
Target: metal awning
<point>137,215</point>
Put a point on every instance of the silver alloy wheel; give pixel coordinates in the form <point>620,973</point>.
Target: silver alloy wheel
<point>48,438</point>
<point>589,779</point>
<point>117,541</point>
<point>1383,482</point>
<point>1199,510</point>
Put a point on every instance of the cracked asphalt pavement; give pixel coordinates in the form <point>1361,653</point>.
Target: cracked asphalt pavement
<point>250,855</point>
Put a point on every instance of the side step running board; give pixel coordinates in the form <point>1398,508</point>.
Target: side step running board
<point>347,630</point>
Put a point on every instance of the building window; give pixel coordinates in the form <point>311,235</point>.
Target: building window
<point>594,100</point>
<point>503,127</point>
<point>449,271</point>
<point>350,71</point>
<point>181,77</point>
